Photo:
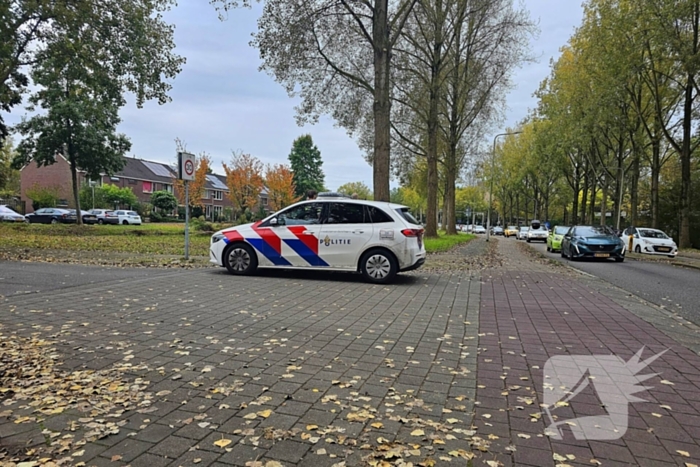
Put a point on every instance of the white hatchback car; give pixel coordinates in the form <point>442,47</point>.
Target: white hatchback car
<point>128,217</point>
<point>539,235</point>
<point>650,241</point>
<point>374,238</point>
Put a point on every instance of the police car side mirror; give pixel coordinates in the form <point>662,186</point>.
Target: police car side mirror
<point>273,222</point>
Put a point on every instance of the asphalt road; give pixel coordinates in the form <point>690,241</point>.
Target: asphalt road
<point>675,288</point>
<point>21,277</point>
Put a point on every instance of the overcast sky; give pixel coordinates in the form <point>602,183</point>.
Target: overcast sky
<point>221,102</point>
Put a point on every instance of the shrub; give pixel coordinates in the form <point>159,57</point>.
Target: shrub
<point>201,225</point>
<point>43,197</point>
<point>164,200</point>
<point>156,217</point>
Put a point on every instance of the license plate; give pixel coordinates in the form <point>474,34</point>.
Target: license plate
<point>664,249</point>
<point>602,255</point>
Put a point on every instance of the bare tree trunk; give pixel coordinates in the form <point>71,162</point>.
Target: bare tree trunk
<point>634,190</point>
<point>432,127</point>
<point>576,190</point>
<point>584,197</point>
<point>449,213</point>
<point>604,205</point>
<point>68,152</point>
<point>684,237</point>
<point>591,205</point>
<point>655,170</point>
<point>382,102</point>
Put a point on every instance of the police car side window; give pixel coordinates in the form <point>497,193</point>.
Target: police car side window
<point>305,214</point>
<point>378,216</point>
<point>346,213</point>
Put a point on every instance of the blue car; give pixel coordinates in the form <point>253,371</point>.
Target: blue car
<point>592,241</point>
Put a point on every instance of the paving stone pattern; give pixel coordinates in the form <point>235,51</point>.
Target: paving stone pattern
<point>529,314</point>
<point>300,371</point>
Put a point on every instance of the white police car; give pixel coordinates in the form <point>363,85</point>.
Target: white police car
<point>374,238</point>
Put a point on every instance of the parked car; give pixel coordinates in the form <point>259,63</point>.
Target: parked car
<point>479,229</point>
<point>467,228</point>
<point>592,241</point>
<point>8,215</point>
<point>522,232</point>
<point>537,232</point>
<point>650,241</point>
<point>376,239</point>
<point>497,230</point>
<point>105,216</point>
<point>88,217</point>
<point>51,216</point>
<point>511,231</point>
<point>128,217</point>
<point>555,237</point>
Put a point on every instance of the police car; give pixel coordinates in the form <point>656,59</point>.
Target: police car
<point>376,239</point>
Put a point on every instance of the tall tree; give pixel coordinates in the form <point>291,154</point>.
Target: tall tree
<point>244,178</point>
<point>22,24</point>
<point>87,61</point>
<point>305,161</point>
<point>9,177</point>
<point>279,181</point>
<point>356,189</point>
<point>336,55</point>
<point>674,31</point>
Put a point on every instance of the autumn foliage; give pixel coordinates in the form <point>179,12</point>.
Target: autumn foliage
<point>279,180</point>
<point>244,178</point>
<point>198,185</point>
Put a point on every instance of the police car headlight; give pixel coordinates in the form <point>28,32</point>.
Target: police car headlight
<point>217,237</point>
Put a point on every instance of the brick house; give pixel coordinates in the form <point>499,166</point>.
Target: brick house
<point>143,177</point>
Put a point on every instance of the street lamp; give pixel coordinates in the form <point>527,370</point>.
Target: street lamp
<point>493,159</point>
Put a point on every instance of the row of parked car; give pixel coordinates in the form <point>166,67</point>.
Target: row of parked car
<point>596,241</point>
<point>69,216</point>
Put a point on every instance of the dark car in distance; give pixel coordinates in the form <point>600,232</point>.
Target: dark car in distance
<point>51,216</point>
<point>88,217</point>
<point>592,241</point>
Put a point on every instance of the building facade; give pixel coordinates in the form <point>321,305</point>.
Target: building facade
<point>141,176</point>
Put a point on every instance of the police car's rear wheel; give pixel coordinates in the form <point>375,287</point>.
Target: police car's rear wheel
<point>378,266</point>
<point>240,259</point>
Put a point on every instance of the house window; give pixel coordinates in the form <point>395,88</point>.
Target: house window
<point>218,212</point>
<point>147,187</point>
<point>206,195</point>
<point>168,188</point>
<point>263,201</point>
<point>218,195</point>
<point>207,211</point>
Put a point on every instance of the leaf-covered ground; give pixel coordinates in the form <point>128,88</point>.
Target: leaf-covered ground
<point>34,391</point>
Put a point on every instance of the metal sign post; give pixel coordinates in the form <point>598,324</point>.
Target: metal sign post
<point>187,219</point>
<point>186,164</point>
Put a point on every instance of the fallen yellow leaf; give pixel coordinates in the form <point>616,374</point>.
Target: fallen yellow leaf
<point>223,442</point>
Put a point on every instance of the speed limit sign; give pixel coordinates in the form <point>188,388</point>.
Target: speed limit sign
<point>186,166</point>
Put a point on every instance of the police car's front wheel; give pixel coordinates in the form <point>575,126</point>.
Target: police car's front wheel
<point>240,259</point>
<point>378,266</point>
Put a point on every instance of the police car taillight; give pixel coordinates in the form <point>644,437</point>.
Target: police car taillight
<point>412,232</point>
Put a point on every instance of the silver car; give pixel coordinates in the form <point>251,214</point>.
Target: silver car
<point>522,233</point>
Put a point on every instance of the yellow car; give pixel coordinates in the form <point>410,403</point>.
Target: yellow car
<point>511,231</point>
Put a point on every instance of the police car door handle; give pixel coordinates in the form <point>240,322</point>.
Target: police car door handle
<point>307,233</point>
<point>358,231</point>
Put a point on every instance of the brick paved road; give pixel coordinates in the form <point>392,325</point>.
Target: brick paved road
<point>529,313</point>
<point>346,370</point>
<point>324,370</point>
